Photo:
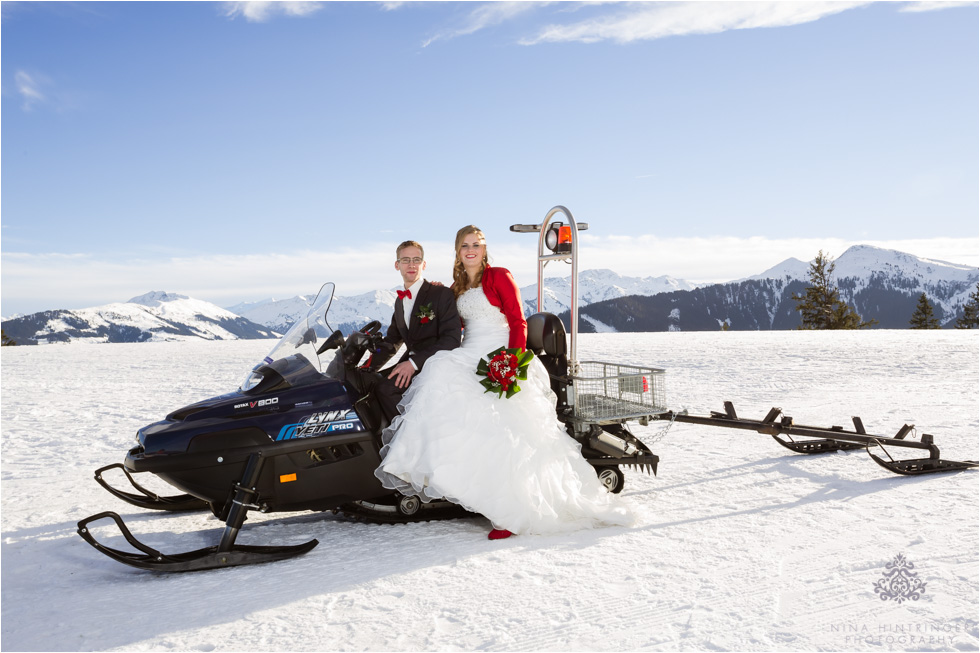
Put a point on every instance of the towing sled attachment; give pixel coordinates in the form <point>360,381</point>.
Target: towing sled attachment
<point>835,438</point>
<point>599,397</point>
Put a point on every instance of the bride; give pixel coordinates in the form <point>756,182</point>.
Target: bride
<point>509,459</point>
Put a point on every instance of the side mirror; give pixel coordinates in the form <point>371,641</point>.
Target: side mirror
<point>308,336</point>
<point>335,340</point>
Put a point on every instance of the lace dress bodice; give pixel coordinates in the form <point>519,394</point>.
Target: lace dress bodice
<point>484,325</point>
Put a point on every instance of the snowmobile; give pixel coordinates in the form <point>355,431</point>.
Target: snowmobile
<point>303,431</point>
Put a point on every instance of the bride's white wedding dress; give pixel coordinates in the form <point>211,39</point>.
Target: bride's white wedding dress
<point>507,459</point>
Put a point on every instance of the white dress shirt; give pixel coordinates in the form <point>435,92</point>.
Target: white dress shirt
<point>407,305</point>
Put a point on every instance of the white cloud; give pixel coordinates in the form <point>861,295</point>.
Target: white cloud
<point>485,15</point>
<point>29,87</point>
<point>645,21</point>
<point>36,282</point>
<point>934,6</point>
<point>259,11</point>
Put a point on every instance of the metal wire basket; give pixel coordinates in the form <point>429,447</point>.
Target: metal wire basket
<point>612,392</point>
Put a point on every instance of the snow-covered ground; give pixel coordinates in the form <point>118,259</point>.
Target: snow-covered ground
<point>741,544</point>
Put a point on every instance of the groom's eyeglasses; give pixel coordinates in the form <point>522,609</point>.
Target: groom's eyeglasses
<point>406,261</point>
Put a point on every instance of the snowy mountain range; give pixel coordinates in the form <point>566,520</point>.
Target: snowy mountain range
<point>346,313</point>
<point>596,286</point>
<point>153,317</point>
<point>881,284</point>
<point>350,313</point>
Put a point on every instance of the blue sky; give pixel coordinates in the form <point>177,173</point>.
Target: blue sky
<point>236,151</point>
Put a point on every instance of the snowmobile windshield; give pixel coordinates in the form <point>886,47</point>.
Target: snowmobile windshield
<point>298,348</point>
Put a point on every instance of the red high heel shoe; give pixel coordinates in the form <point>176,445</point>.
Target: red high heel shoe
<point>498,534</point>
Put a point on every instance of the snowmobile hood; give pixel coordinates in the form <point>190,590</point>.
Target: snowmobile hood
<point>201,410</point>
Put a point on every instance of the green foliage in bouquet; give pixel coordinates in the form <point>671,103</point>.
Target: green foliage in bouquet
<point>502,369</point>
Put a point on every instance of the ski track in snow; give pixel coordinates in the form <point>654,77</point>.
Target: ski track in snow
<point>741,544</point>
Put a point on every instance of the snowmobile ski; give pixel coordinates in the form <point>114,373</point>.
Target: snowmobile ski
<point>212,557</point>
<point>919,465</point>
<point>225,554</point>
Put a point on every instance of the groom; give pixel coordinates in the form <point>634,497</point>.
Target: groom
<point>425,319</point>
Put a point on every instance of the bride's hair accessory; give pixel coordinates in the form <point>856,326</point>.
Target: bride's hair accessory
<point>425,314</point>
<point>503,370</point>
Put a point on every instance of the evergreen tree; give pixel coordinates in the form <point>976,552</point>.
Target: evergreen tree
<point>969,319</point>
<point>923,317</point>
<point>6,341</point>
<point>821,306</point>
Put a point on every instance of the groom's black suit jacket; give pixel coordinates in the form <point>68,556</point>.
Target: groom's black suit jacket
<point>441,332</point>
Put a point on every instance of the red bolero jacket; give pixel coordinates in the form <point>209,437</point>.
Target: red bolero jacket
<point>502,291</point>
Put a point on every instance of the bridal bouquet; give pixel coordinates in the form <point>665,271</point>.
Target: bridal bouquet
<point>503,370</point>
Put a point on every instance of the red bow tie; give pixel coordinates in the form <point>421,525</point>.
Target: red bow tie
<point>404,293</point>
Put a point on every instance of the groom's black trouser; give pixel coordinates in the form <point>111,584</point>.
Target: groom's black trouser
<point>388,395</point>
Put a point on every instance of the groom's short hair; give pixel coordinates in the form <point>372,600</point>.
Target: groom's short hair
<point>408,243</point>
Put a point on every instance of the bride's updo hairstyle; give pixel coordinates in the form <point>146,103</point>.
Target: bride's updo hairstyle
<point>461,280</point>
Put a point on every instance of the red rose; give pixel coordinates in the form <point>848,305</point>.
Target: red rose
<point>503,370</point>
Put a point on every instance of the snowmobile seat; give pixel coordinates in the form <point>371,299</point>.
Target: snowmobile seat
<point>546,338</point>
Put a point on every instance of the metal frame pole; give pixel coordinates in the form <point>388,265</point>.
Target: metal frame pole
<point>573,255</point>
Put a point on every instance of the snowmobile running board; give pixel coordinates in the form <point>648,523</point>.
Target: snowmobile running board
<point>835,438</point>
<point>407,510</point>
